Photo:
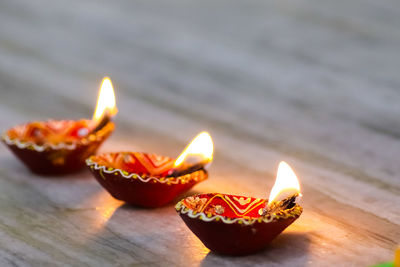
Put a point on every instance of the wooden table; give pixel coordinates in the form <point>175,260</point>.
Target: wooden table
<point>314,83</point>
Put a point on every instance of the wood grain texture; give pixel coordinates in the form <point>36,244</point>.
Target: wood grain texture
<point>312,83</point>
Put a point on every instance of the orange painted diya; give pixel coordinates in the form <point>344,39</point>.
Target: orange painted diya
<point>141,179</point>
<point>234,225</point>
<point>55,146</point>
<point>62,146</point>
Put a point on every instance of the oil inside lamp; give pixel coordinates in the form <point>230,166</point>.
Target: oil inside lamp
<point>197,155</point>
<point>106,105</point>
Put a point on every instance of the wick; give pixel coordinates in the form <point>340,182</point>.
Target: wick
<point>192,168</point>
<point>277,206</point>
<point>103,122</point>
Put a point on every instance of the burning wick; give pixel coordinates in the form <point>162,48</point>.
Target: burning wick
<point>105,107</point>
<point>285,191</point>
<point>196,156</point>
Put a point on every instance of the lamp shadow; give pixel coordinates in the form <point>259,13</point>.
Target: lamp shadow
<point>288,249</point>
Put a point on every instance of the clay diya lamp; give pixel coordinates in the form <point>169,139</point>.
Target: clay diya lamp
<point>55,147</point>
<point>62,146</point>
<point>238,225</point>
<point>150,180</point>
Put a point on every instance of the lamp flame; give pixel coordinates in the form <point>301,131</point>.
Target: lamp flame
<point>286,183</point>
<point>106,105</point>
<point>200,150</point>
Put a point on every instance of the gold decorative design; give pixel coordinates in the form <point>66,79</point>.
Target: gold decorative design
<point>202,212</point>
<point>195,203</point>
<point>219,209</point>
<point>187,178</point>
<point>241,212</point>
<point>242,201</point>
<point>41,136</point>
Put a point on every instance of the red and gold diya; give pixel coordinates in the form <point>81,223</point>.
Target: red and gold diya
<point>150,180</point>
<point>238,225</point>
<point>62,146</point>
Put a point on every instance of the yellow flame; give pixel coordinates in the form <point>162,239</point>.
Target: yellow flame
<point>201,148</point>
<point>286,183</point>
<point>106,100</point>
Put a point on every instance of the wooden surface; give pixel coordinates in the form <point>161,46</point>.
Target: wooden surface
<point>314,83</point>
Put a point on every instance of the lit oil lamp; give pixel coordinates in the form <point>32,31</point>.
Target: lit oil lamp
<point>62,146</point>
<point>150,180</point>
<point>237,225</point>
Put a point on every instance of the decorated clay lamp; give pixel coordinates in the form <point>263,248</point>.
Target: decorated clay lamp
<point>237,225</point>
<point>150,180</point>
<point>62,146</point>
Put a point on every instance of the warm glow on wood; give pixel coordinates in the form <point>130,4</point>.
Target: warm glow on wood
<point>201,148</point>
<point>106,101</point>
<point>286,183</point>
